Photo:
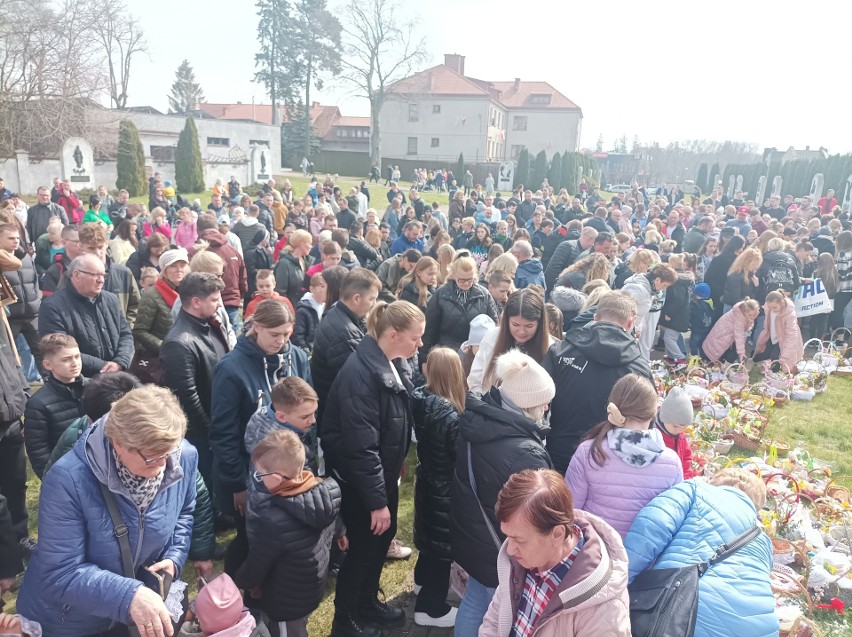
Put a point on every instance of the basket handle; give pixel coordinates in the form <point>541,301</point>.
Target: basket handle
<point>813,340</point>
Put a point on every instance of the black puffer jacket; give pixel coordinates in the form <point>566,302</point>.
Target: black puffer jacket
<point>777,272</point>
<point>49,412</point>
<point>307,321</point>
<point>675,312</point>
<point>564,255</point>
<point>98,325</point>
<point>289,544</point>
<point>502,443</point>
<point>256,258</point>
<point>585,367</point>
<point>338,335</point>
<point>188,357</point>
<point>10,550</point>
<point>289,276</point>
<point>448,321</point>
<point>436,425</point>
<point>25,284</point>
<point>366,254</point>
<point>366,428</point>
<point>203,543</point>
<point>54,274</point>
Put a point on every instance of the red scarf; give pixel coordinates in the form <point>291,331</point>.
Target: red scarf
<point>168,293</point>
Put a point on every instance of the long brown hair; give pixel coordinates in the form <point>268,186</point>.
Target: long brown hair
<point>528,303</point>
<point>445,377</point>
<point>423,293</point>
<point>635,398</point>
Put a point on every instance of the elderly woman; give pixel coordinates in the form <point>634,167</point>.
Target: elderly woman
<point>155,307</point>
<point>76,583</point>
<point>555,555</point>
<point>686,524</point>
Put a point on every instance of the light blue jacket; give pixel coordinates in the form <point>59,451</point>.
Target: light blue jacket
<point>685,525</point>
<point>75,584</point>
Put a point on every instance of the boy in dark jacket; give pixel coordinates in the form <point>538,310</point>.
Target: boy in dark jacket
<point>701,319</point>
<point>674,416</point>
<point>58,403</point>
<point>294,405</point>
<point>291,522</point>
<point>309,312</point>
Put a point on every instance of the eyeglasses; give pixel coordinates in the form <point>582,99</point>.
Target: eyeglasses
<point>96,275</point>
<point>150,461</point>
<point>464,280</point>
<point>258,477</point>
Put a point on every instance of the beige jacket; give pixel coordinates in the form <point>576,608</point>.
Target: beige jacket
<point>591,601</point>
<point>8,263</point>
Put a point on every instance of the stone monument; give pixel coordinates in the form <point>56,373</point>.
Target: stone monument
<point>506,176</point>
<point>776,186</point>
<point>259,160</point>
<point>731,183</point>
<point>739,183</point>
<point>847,193</point>
<point>761,191</point>
<point>816,187</point>
<point>78,162</point>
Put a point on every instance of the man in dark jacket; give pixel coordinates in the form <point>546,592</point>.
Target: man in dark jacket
<point>188,356</point>
<point>341,330</point>
<point>566,253</point>
<point>585,367</point>
<point>364,252</point>
<point>92,316</point>
<point>697,235</point>
<point>673,230</point>
<point>234,276</point>
<point>391,271</point>
<point>61,261</point>
<point>23,315</point>
<point>525,209</point>
<point>38,216</point>
<point>10,553</point>
<point>345,218</point>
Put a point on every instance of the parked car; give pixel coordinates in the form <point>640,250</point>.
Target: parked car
<point>618,188</point>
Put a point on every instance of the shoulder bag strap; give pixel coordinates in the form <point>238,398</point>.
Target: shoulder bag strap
<point>485,517</point>
<point>726,550</point>
<point>120,531</point>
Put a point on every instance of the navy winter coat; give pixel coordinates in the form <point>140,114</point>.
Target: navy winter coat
<point>49,412</point>
<point>242,383</point>
<point>75,584</point>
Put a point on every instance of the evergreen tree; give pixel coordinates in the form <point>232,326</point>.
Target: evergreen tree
<point>522,171</point>
<point>571,165</point>
<point>186,92</point>
<point>538,171</point>
<point>566,169</point>
<point>459,172</point>
<point>701,180</point>
<point>294,132</point>
<point>621,144</point>
<point>635,147</point>
<point>189,173</point>
<point>712,175</point>
<point>130,165</point>
<point>600,145</point>
<point>554,175</point>
<point>279,67</point>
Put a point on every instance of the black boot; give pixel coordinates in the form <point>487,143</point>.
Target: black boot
<point>348,625</point>
<point>382,614</point>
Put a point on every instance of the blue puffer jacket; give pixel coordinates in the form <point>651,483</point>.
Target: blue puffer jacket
<point>242,382</point>
<point>685,525</point>
<point>74,585</point>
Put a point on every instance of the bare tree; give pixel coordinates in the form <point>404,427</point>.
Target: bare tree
<point>122,39</point>
<point>379,49</point>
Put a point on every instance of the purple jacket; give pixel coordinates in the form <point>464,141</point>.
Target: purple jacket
<point>617,491</point>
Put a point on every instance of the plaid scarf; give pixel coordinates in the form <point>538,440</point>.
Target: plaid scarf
<point>539,588</point>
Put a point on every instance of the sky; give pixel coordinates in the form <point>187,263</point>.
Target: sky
<point>769,73</point>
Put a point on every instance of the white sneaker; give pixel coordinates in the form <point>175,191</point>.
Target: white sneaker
<point>417,589</point>
<point>396,551</point>
<point>446,621</point>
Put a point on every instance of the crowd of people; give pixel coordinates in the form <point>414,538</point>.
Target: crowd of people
<point>265,363</point>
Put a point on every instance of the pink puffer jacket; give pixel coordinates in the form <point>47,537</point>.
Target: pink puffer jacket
<point>729,329</point>
<point>617,491</point>
<point>591,601</point>
<point>787,330</point>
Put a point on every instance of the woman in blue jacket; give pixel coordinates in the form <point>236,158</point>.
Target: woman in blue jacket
<point>686,524</point>
<point>242,383</point>
<point>75,584</point>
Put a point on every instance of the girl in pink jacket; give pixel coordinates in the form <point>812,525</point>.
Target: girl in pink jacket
<point>186,233</point>
<point>727,340</point>
<point>623,464</point>
<point>780,337</point>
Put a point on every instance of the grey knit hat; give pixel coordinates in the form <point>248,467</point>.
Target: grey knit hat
<point>676,408</point>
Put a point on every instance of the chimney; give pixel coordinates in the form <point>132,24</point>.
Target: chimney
<point>455,62</point>
<point>517,84</point>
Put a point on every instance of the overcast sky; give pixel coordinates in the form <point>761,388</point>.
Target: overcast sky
<point>771,73</point>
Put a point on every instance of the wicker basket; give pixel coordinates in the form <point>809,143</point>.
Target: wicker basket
<point>737,374</point>
<point>781,379</point>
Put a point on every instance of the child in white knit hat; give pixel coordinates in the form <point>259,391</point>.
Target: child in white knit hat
<point>674,417</point>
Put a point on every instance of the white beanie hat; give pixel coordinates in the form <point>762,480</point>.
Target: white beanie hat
<point>479,326</point>
<point>676,408</point>
<point>523,381</point>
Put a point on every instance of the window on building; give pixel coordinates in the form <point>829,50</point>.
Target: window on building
<point>540,98</point>
<point>436,109</point>
<point>218,141</point>
<point>162,154</point>
<point>436,142</point>
<point>516,150</point>
<point>519,122</point>
<point>259,142</point>
<point>339,132</point>
<point>413,113</point>
<point>412,145</point>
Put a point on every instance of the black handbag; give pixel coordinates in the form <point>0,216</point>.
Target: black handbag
<point>664,602</point>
